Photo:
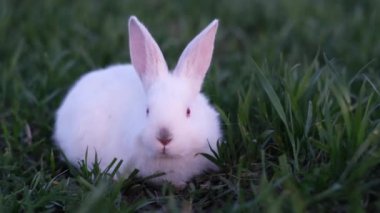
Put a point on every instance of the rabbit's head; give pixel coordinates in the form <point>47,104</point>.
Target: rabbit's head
<point>179,120</point>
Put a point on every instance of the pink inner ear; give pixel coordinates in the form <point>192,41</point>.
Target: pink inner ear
<point>137,46</point>
<point>196,58</point>
<point>145,54</point>
<point>201,55</point>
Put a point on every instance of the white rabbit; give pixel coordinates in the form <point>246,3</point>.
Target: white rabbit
<point>154,120</point>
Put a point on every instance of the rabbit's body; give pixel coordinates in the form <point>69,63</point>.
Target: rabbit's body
<point>104,99</point>
<point>153,120</point>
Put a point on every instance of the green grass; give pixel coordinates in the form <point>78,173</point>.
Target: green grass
<point>297,84</point>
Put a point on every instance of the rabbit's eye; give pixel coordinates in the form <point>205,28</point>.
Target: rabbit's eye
<point>188,112</point>
<point>147,111</point>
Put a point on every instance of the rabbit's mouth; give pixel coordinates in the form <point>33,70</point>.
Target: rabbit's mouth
<point>164,151</point>
<point>165,154</point>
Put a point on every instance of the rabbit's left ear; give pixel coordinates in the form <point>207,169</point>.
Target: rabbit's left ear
<point>196,58</point>
<point>145,54</point>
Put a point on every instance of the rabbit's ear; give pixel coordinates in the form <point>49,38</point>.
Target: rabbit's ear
<point>196,58</point>
<point>145,54</point>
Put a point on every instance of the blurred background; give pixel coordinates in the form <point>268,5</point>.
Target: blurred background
<point>71,37</point>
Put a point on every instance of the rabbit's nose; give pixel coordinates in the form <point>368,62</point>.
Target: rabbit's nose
<point>164,136</point>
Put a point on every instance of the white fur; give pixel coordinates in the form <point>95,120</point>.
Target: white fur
<point>106,111</point>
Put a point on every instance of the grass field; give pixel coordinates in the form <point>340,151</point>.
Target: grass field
<point>297,84</point>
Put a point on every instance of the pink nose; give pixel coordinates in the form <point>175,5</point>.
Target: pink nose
<point>164,136</point>
<point>165,141</point>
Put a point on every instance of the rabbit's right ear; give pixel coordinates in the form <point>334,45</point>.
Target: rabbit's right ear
<point>196,58</point>
<point>145,54</point>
